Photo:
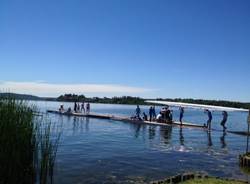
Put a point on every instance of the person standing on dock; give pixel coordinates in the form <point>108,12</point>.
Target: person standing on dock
<point>150,113</point>
<point>87,108</point>
<point>210,117</point>
<point>224,120</point>
<point>153,113</point>
<point>171,115</point>
<point>138,111</point>
<point>248,118</point>
<point>248,126</point>
<point>181,114</point>
<point>83,107</point>
<point>78,107</point>
<point>75,107</point>
<point>145,117</point>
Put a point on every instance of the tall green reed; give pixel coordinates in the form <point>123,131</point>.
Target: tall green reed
<point>28,144</point>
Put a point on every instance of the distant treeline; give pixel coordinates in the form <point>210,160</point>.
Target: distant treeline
<point>141,101</point>
<point>126,100</point>
<point>113,100</point>
<point>19,96</point>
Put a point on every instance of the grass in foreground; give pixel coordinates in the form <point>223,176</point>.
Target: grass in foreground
<point>211,181</point>
<point>27,150</point>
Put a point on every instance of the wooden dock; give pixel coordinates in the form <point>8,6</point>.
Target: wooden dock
<point>126,119</point>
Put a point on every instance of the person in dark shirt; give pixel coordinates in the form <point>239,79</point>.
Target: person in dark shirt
<point>153,113</point>
<point>83,107</point>
<point>87,108</point>
<point>138,111</point>
<point>150,113</point>
<point>75,107</point>
<point>171,115</point>
<point>78,107</point>
<point>181,114</point>
<point>69,110</point>
<point>224,120</point>
<point>145,117</point>
<point>210,117</point>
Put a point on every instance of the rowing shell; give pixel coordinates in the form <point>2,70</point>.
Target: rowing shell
<point>197,106</point>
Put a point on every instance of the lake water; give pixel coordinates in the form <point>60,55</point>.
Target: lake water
<point>107,151</point>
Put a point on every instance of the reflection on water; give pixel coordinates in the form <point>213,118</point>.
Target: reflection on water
<point>99,151</point>
<point>106,147</point>
<point>151,132</point>
<point>137,130</point>
<point>210,142</point>
<point>79,125</point>
<point>87,125</point>
<point>181,137</point>
<point>222,139</point>
<point>166,133</point>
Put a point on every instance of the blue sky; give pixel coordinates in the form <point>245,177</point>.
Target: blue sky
<point>147,48</point>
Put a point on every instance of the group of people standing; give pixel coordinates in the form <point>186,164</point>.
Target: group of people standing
<point>152,114</point>
<point>210,118</point>
<point>78,108</point>
<point>166,115</point>
<point>81,108</point>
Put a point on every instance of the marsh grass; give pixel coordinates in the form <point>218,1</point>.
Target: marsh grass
<point>28,144</point>
<point>212,181</point>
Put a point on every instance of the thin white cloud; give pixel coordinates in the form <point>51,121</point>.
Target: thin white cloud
<point>43,88</point>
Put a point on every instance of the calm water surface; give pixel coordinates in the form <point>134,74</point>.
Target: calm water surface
<point>107,151</point>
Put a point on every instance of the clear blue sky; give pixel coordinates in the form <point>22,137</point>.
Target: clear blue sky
<point>174,48</point>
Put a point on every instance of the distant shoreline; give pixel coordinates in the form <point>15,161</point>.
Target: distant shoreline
<point>125,100</point>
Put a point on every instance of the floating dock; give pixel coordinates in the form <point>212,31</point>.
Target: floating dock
<point>126,119</point>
